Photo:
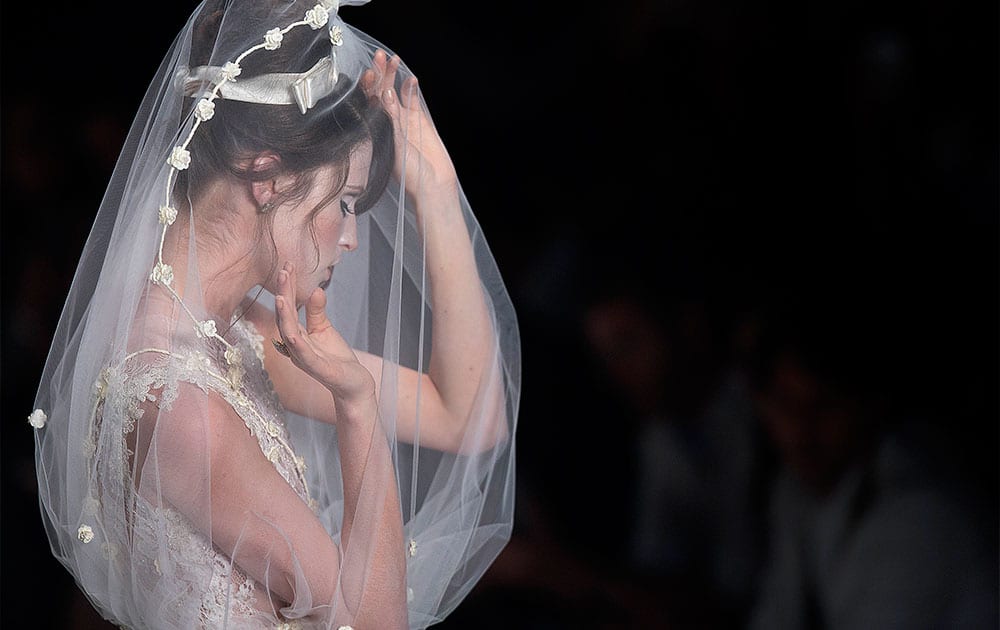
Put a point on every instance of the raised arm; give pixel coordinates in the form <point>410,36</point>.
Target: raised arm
<point>464,372</point>
<point>463,369</point>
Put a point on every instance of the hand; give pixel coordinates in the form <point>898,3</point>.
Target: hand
<point>428,166</point>
<point>318,349</point>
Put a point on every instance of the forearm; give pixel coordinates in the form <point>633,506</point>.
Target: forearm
<point>462,341</point>
<point>374,568</point>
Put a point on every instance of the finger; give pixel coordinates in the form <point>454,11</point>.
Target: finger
<point>284,317</point>
<point>389,81</point>
<point>294,339</point>
<point>316,319</point>
<point>379,62</point>
<point>284,303</point>
<point>368,81</point>
<point>286,284</point>
<point>389,101</point>
<point>408,94</point>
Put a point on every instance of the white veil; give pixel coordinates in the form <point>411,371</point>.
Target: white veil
<point>192,476</point>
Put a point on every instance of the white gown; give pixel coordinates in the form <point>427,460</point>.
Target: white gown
<point>215,593</point>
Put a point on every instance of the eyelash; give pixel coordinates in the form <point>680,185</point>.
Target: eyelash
<point>344,209</point>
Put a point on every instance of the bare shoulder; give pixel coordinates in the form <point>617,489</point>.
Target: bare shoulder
<point>199,415</point>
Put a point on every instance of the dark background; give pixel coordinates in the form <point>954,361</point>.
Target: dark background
<point>734,153</point>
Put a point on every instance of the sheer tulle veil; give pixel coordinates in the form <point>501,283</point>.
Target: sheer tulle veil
<point>155,383</point>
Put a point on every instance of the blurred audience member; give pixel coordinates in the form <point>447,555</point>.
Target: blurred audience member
<point>694,533</point>
<point>868,527</point>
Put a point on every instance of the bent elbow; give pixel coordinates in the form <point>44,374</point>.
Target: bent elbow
<point>309,591</point>
<point>479,438</point>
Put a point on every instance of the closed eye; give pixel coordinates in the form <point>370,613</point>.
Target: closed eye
<point>344,208</point>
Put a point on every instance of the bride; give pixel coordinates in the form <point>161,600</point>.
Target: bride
<point>206,456</point>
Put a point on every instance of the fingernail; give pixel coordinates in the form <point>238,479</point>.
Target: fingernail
<point>282,276</point>
<point>279,302</point>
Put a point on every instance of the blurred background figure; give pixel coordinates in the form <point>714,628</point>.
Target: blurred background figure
<point>699,465</point>
<point>870,523</point>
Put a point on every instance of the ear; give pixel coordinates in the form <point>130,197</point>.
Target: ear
<point>264,191</point>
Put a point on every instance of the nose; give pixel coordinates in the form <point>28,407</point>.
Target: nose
<point>349,236</point>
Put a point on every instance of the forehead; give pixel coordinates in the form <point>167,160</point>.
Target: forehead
<point>361,159</point>
<point>329,175</point>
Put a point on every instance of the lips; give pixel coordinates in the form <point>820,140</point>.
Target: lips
<point>326,283</point>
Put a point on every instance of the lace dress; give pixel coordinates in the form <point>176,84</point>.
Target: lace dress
<point>205,588</point>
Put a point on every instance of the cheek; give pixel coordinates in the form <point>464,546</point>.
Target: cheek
<point>314,248</point>
<point>328,232</point>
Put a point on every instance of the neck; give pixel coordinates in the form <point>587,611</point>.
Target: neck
<point>225,272</point>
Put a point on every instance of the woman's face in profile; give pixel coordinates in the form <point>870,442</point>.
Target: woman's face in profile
<point>316,244</point>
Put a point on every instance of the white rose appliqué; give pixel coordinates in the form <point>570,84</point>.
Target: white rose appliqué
<point>85,534</point>
<point>167,215</point>
<point>317,17</point>
<point>272,40</point>
<point>230,71</point>
<point>204,110</point>
<point>180,158</point>
<point>336,36</point>
<point>37,418</point>
<point>162,274</point>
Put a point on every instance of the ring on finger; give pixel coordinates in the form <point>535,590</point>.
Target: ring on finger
<point>281,348</point>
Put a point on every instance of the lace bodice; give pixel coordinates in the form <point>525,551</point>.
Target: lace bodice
<point>222,593</point>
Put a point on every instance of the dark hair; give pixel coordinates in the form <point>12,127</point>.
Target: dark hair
<point>325,135</point>
<point>840,339</point>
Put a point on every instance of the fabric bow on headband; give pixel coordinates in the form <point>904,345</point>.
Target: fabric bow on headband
<point>283,88</point>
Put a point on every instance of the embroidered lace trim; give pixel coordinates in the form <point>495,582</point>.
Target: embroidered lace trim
<point>122,390</point>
